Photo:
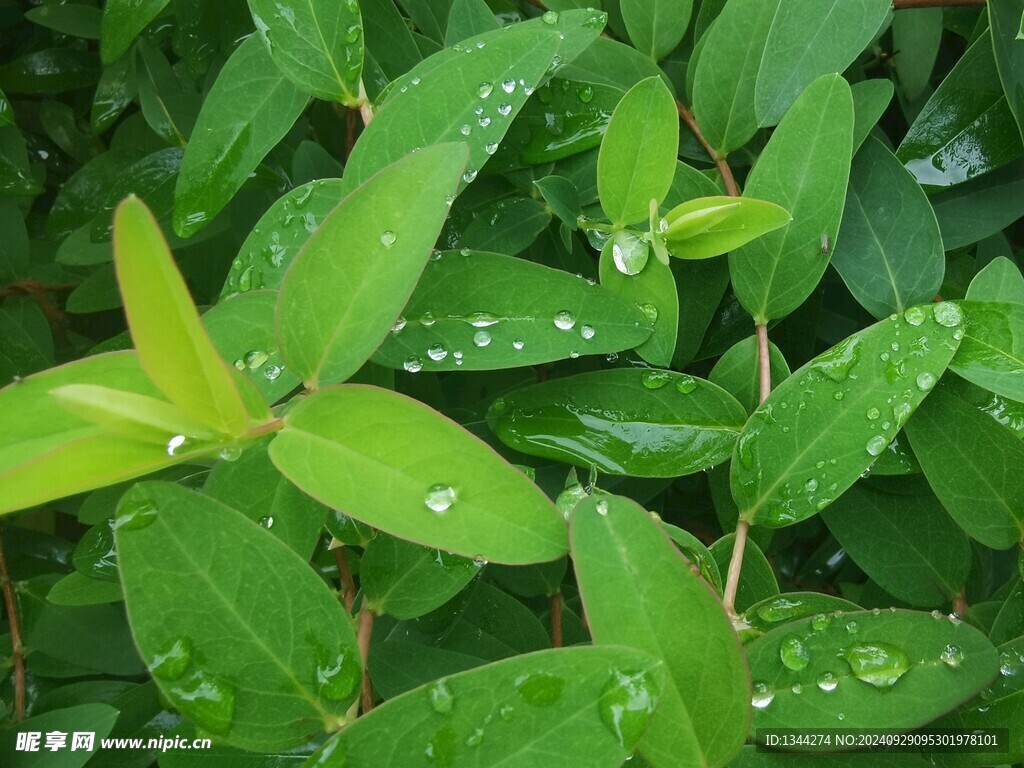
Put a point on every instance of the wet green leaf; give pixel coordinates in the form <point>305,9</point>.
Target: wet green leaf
<point>655,28</point>
<point>169,108</point>
<point>773,612</point>
<point>479,311</point>
<point>6,112</point>
<point>331,315</point>
<point>711,226</point>
<point>423,478</point>
<point>468,18</point>
<point>76,589</point>
<point>507,226</point>
<point>639,591</point>
<point>828,422</point>
<point>991,354</point>
<point>293,666</point>
<point>71,19</point>
<point>1000,280</point>
<point>648,423</point>
<point>974,210</point>
<point>114,94</point>
<point>122,21</point>
<point>51,70</point>
<point>1005,22</point>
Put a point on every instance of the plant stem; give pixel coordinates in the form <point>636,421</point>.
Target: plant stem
<point>556,620</point>
<point>722,165</point>
<point>960,603</point>
<point>363,637</point>
<point>365,107</point>
<point>763,363</point>
<point>347,584</point>
<point>898,5</point>
<point>17,654</point>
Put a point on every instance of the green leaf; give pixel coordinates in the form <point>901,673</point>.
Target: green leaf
<point>610,63</point>
<point>1000,280</point>
<point>423,479</point>
<point>917,35</point>
<point>638,153</point>
<point>468,18</point>
<point>966,128</point>
<point>727,70</point>
<point>870,100</point>
<point>405,580</point>
<point>890,252</point>
<point>656,28</point>
<point>332,315</point>
<point>152,179</point>
<point>277,666</point>
<point>77,589</point>
<point>758,582</point>
<point>804,168</point>
<point>173,348</point>
<point>96,719</point>
<point>507,226</point>
<point>894,669</point>
<point>979,208</point>
<point>966,457</point>
<point>1005,20</point>
<point>71,19</point>
<point>711,226</point>
<point>317,44</point>
<point>122,21</point>
<point>588,706</point>
<point>908,545</point>
<point>773,612</point>
<point>809,39</point>
<point>6,113</point>
<point>991,354</point>
<point>647,423</point>
<point>482,311</point>
<point>640,592</point>
<point>169,109</point>
<point>829,421</point>
<point>114,94</point>
<point>250,107</point>
<point>737,371</point>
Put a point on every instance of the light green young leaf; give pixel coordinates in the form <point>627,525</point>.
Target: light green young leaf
<point>332,314</point>
<point>829,421</point>
<point>638,153</point>
<point>397,465</point>
<point>588,706</point>
<point>172,345</point>
<point>656,26</point>
<point>277,666</point>
<point>317,44</point>
<point>711,226</point>
<point>250,107</point>
<point>122,21</point>
<point>991,354</point>
<point>1000,280</point>
<point>639,591</point>
<point>482,311</point>
<point>804,168</point>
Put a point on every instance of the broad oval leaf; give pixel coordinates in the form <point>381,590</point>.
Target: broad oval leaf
<point>482,311</point>
<point>890,253</point>
<point>711,226</point>
<point>333,313</point>
<point>889,669</point>
<point>804,168</point>
<point>639,591</point>
<point>738,371</point>
<point>828,422</point>
<point>317,44</point>
<point>638,153</point>
<point>173,347</point>
<point>277,665</point>
<point>250,107</point>
<point>656,26</point>
<point>649,423</point>
<point>395,464</point>
<point>991,354</point>
<point>588,706</point>
<point>95,718</point>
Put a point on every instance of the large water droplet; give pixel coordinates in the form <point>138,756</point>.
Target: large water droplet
<point>469,175</point>
<point>508,85</point>
<point>587,332</point>
<point>550,17</point>
<point>821,621</point>
<point>686,384</point>
<point>838,362</point>
<point>948,314</point>
<point>437,352</point>
<point>272,372</point>
<point>540,689</point>
<point>485,90</point>
<point>811,485</point>
<point>504,110</point>
<point>491,147</point>
<point>439,497</point>
<point>134,513</point>
<point>763,696</point>
<point>413,364</point>
<point>952,655</point>
<point>629,252</point>
<point>255,358</point>
<point>337,674</point>
<point>172,660</point>
<point>653,379</point>
<point>650,312</point>
<point>780,609</point>
<point>794,653</point>
<point>626,704</point>
<point>205,700</point>
<point>440,696</point>
<point>481,338</point>
<point>876,445</point>
<point>925,381</point>
<point>564,320</point>
<point>827,682</point>
<point>388,238</point>
<point>879,664</point>
<point>399,324</point>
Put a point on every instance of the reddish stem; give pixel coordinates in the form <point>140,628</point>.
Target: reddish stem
<point>346,582</point>
<point>556,620</point>
<point>17,654</point>
<point>363,635</point>
<point>720,162</point>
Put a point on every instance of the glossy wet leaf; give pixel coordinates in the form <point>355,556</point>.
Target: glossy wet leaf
<point>804,168</point>
<point>293,666</point>
<point>172,345</point>
<point>333,313</point>
<point>711,226</point>
<point>588,704</point>
<point>908,545</point>
<point>966,128</point>
<point>49,71</point>
<point>114,94</point>
<point>413,473</point>
<point>958,445</point>
<point>507,226</point>
<point>775,611</point>
<point>809,39</point>
<point>655,28</point>
<point>648,423</point>
<point>991,354</point>
<point>122,21</point>
<point>828,422</point>
<point>317,44</point>
<point>639,591</point>
<point>1005,22</point>
<point>6,112</point>
<point>1000,280</point>
<point>480,311</point>
<point>877,670</point>
<point>250,107</point>
<point>889,252</point>
<point>169,109</point>
<point>152,179</point>
<point>979,208</point>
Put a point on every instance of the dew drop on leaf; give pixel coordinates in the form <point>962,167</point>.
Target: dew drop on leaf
<point>484,90</point>
<point>602,508</point>
<point>655,379</point>
<point>388,238</point>
<point>876,445</point>
<point>879,664</point>
<point>629,253</point>
<point>272,372</point>
<point>399,324</point>
<point>550,17</point>
<point>794,653</point>
<point>650,312</point>
<point>413,364</point>
<point>686,384</point>
<point>952,655</point>
<point>440,696</point>
<point>437,352</point>
<point>439,497</point>
<point>564,320</point>
<point>763,696</point>
<point>925,381</point>
<point>508,85</point>
<point>820,622</point>
<point>481,338</point>
<point>133,514</point>
<point>172,660</point>
<point>948,314</point>
<point>827,682</point>
<point>504,110</point>
<point>469,175</point>
<point>267,522</point>
<point>587,332</point>
<point>873,413</point>
<point>517,344</point>
<point>626,704</point>
<point>475,738</point>
<point>205,700</point>
<point>540,689</point>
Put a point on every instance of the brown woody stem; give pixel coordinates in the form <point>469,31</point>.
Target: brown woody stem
<point>17,654</point>
<point>363,635</point>
<point>556,620</point>
<point>720,162</point>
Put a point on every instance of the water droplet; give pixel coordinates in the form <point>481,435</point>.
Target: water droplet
<point>629,252</point>
<point>437,352</point>
<point>587,332</point>
<point>837,363</point>
<point>650,312</point>
<point>272,372</point>
<point>240,364</point>
<point>475,738</point>
<point>797,688</point>
<point>517,344</point>
<point>177,445</point>
<point>171,662</point>
<point>873,413</point>
<point>415,81</point>
<point>134,513</point>
<point>550,17</point>
<point>626,704</point>
<point>653,379</point>
<point>481,338</point>
<point>821,622</point>
<point>466,130</point>
<point>205,700</point>
<point>779,609</point>
<point>439,497</point>
<point>925,381</point>
<point>230,452</point>
<point>686,384</point>
<point>506,712</point>
<point>948,314</point>
<point>469,176</point>
<point>811,485</point>
<point>879,664</point>
<point>255,358</point>
<point>440,696</point>
<point>586,93</point>
<point>491,147</point>
<point>838,395</point>
<point>602,507</point>
<point>508,85</point>
<point>484,121</point>
<point>827,682</point>
<point>1009,666</point>
<point>484,90</point>
<point>763,696</point>
<point>564,320</point>
<point>540,689</point>
<point>794,653</point>
<point>413,364</point>
<point>267,522</point>
<point>388,238</point>
<point>504,110</point>
<point>337,674</point>
<point>876,445</point>
<point>399,324</point>
<point>852,627</point>
<point>952,655</point>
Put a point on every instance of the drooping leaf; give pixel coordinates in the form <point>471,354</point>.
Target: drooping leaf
<point>267,670</point>
<point>332,314</point>
<point>917,35</point>
<point>991,354</point>
<point>644,423</point>
<point>480,311</point>
<point>825,424</point>
<point>711,226</point>
<point>639,591</point>
<point>411,472</point>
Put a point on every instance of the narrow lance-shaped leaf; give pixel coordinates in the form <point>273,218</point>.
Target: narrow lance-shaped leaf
<point>639,591</point>
<point>397,465</point>
<point>267,669</point>
<point>711,226</point>
<point>992,352</point>
<point>172,345</point>
<point>317,44</point>
<point>828,422</point>
<point>332,313</point>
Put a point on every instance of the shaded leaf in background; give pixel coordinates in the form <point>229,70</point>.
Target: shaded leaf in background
<point>991,354</point>
<point>655,28</point>
<point>123,20</point>
<point>1005,22</point>
<point>1000,280</point>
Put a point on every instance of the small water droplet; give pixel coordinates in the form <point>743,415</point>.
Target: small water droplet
<point>797,688</point>
<point>134,513</point>
<point>440,696</point>
<point>686,384</point>
<point>230,452</point>
<point>504,110</point>
<point>873,413</point>
<point>481,338</point>
<point>540,689</point>
<point>952,655</point>
<point>255,358</point>
<point>852,627</point>
<point>586,93</point>
<point>827,682</point>
<point>821,622</point>
<point>587,332</point>
<point>879,664</point>
<point>914,315</point>
<point>469,176</point>
<point>925,381</point>
<point>388,238</point>
<point>466,130</point>
<point>602,507</point>
<point>267,522</point>
<point>484,90</point>
<point>564,320</point>
<point>475,738</point>
<point>653,379</point>
<point>518,344</point>
<point>948,314</point>
<point>240,364</point>
<point>811,485</point>
<point>550,17</point>
<point>491,147</point>
<point>272,372</point>
<point>437,352</point>
<point>172,660</point>
<point>650,312</point>
<point>506,712</point>
<point>413,364</point>
<point>399,324</point>
<point>484,121</point>
<point>439,497</point>
<point>876,445</point>
<point>508,86</point>
<point>794,653</point>
<point>763,696</point>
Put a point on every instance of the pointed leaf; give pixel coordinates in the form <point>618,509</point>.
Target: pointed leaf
<point>395,464</point>
<point>657,27</point>
<point>870,100</point>
<point>1000,280</point>
<point>122,21</point>
<point>333,313</point>
<point>991,354</point>
<point>738,373</point>
<point>758,582</point>
<point>711,226</point>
